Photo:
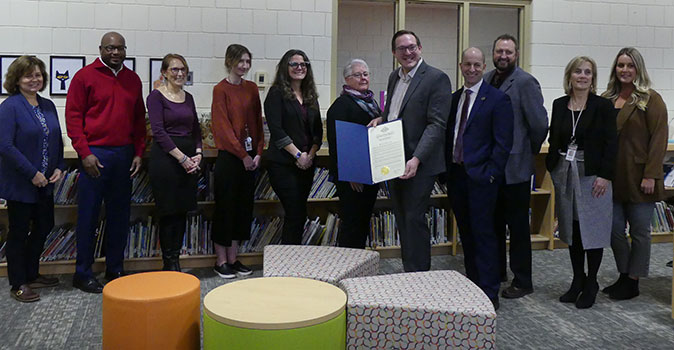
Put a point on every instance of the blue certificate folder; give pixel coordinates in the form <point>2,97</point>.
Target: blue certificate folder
<point>353,152</point>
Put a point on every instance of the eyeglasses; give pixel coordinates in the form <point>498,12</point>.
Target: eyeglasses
<point>360,75</point>
<point>111,48</point>
<point>303,65</point>
<point>176,70</point>
<point>402,49</point>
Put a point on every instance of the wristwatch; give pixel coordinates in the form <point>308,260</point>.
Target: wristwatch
<point>298,155</point>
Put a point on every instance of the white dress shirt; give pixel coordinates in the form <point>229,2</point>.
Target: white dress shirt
<point>400,90</point>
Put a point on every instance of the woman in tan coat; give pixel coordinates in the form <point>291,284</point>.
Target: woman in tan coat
<point>642,143</point>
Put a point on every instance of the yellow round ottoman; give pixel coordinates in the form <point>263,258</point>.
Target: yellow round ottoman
<point>152,310</point>
<point>275,313</point>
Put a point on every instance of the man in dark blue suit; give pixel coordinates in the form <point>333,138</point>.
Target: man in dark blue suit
<point>479,139</point>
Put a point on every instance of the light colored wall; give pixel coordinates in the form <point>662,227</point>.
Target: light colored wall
<point>562,29</point>
<point>201,30</point>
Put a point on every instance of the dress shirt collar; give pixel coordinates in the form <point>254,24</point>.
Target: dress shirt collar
<point>475,88</point>
<point>115,72</point>
<point>407,77</point>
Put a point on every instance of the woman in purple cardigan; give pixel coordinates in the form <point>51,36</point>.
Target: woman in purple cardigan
<point>174,157</point>
<point>31,161</point>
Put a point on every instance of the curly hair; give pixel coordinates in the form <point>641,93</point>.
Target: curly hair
<point>282,80</point>
<point>20,67</point>
<point>642,82</point>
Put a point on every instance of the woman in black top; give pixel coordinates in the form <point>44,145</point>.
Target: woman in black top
<point>355,105</point>
<point>581,161</point>
<point>294,120</point>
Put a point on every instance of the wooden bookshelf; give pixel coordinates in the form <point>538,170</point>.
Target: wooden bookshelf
<point>542,222</point>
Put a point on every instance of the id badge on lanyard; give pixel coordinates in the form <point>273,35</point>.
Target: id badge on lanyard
<point>248,141</point>
<point>571,151</point>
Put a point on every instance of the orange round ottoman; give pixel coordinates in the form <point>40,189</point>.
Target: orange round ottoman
<point>152,310</point>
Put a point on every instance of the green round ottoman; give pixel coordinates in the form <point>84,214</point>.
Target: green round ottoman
<point>275,313</point>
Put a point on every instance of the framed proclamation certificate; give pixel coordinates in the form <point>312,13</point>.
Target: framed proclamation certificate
<point>370,155</point>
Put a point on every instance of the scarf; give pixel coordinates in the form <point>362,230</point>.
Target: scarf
<point>364,101</point>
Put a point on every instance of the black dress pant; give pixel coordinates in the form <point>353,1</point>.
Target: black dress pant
<point>234,192</point>
<point>23,250</point>
<point>292,186</point>
<point>355,210</point>
<point>512,208</point>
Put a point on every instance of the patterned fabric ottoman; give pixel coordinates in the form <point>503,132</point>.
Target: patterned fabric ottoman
<point>327,264</point>
<point>419,310</point>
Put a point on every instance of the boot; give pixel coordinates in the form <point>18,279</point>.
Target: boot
<point>175,260</point>
<point>589,294</point>
<point>616,285</point>
<point>576,287</point>
<point>171,258</point>
<point>628,290</point>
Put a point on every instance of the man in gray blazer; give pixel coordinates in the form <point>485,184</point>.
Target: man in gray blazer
<point>529,131</point>
<point>421,96</point>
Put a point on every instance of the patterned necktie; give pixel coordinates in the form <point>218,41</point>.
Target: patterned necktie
<point>458,146</point>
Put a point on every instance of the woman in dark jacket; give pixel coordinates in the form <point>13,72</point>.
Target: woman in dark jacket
<point>581,161</point>
<point>31,161</point>
<point>642,144</point>
<point>355,105</point>
<point>294,120</point>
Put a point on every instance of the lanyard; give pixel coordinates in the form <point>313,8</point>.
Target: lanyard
<point>574,122</point>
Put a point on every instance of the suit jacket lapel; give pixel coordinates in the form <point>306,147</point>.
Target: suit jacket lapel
<point>479,101</point>
<point>418,76</point>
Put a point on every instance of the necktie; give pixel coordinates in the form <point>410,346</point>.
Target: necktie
<point>458,146</point>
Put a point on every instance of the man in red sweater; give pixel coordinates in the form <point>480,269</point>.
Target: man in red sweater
<point>105,119</point>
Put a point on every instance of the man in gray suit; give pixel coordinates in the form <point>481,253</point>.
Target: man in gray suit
<point>420,95</point>
<point>529,131</point>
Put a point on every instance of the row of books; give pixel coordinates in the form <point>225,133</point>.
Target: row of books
<point>663,218</point>
<point>143,239</point>
<point>65,190</point>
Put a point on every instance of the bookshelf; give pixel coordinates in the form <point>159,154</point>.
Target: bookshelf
<point>541,205</point>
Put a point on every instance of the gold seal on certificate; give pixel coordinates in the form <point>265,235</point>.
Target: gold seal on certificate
<point>385,170</point>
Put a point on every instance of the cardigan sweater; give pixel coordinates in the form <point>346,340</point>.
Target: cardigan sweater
<point>105,110</point>
<point>21,147</point>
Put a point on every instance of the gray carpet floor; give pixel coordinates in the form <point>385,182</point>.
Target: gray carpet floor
<point>66,318</point>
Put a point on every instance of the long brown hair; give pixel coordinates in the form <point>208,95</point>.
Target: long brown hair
<point>282,79</point>
<point>642,82</point>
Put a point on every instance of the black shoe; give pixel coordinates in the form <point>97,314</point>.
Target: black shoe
<point>513,292</point>
<point>496,303</point>
<point>171,261</point>
<point>670,263</point>
<point>224,271</point>
<point>240,268</point>
<point>628,290</point>
<point>617,285</point>
<point>43,282</point>
<point>111,276</point>
<point>24,294</point>
<point>89,285</point>
<point>571,296</point>
<point>588,296</point>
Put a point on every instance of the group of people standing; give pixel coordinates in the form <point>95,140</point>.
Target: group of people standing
<point>605,159</point>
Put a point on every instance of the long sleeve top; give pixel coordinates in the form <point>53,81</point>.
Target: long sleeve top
<point>169,118</point>
<point>104,109</point>
<point>236,114</point>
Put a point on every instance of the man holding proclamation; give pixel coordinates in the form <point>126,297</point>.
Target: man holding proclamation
<point>419,95</point>
<point>479,139</point>
<point>105,118</point>
<point>530,127</point>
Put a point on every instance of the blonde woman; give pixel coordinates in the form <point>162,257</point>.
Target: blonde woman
<point>581,161</point>
<point>642,143</point>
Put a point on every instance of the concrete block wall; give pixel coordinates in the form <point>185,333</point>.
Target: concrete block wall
<point>563,29</point>
<point>200,30</point>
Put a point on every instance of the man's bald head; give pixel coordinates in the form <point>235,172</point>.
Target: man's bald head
<point>113,49</point>
<point>472,51</point>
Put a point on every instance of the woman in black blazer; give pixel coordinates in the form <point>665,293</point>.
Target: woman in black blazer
<point>581,161</point>
<point>355,105</point>
<point>294,120</point>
